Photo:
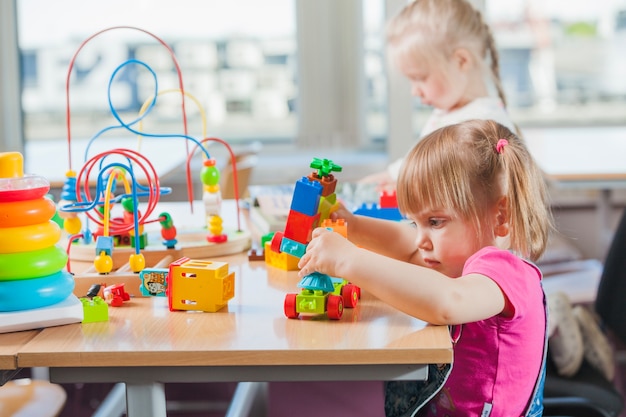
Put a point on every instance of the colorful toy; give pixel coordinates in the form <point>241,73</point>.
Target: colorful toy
<point>199,285</point>
<point>313,201</point>
<point>321,294</point>
<point>114,295</point>
<point>31,264</point>
<point>387,208</point>
<point>35,289</point>
<point>95,309</point>
<point>123,234</point>
<point>153,281</point>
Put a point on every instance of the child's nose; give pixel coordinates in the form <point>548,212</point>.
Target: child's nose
<point>423,240</point>
<point>417,91</point>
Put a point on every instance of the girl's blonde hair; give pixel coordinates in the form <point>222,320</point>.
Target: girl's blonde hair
<point>433,27</point>
<point>462,167</point>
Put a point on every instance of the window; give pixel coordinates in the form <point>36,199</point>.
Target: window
<point>562,62</point>
<point>268,74</point>
<point>297,75</point>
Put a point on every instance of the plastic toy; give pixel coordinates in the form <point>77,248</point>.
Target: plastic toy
<point>153,281</point>
<point>31,263</point>
<point>35,289</point>
<point>114,295</point>
<point>121,217</point>
<point>313,200</point>
<point>321,294</point>
<point>94,309</point>
<point>387,208</point>
<point>199,285</point>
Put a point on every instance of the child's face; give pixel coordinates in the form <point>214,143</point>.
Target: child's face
<point>445,241</point>
<point>438,83</point>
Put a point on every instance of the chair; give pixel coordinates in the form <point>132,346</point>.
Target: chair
<point>31,397</point>
<point>588,393</point>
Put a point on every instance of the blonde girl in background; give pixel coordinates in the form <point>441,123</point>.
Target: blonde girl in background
<point>462,187</point>
<point>447,52</point>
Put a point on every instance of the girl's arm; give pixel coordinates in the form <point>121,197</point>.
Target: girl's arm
<point>389,238</point>
<point>420,292</point>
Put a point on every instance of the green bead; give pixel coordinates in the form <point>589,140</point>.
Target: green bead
<point>128,205</point>
<point>210,176</point>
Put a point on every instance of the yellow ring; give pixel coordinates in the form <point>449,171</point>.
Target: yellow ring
<point>29,238</point>
<point>32,264</point>
<point>27,212</point>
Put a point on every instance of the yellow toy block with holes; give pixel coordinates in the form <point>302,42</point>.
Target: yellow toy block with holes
<point>199,285</point>
<point>280,260</point>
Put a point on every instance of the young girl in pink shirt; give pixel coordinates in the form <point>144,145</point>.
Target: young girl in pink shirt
<point>479,218</point>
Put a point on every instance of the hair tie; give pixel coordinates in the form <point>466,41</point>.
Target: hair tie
<point>501,144</point>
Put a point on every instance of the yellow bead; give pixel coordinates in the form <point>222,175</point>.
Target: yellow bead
<point>137,262</point>
<point>72,225</point>
<point>103,263</point>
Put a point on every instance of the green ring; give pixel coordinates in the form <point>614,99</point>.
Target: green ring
<point>32,264</point>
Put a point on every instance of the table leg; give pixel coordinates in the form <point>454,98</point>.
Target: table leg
<point>147,399</point>
<point>250,400</point>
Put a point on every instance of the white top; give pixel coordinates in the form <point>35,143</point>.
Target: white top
<point>482,108</point>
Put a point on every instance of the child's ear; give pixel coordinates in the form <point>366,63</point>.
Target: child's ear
<point>463,58</point>
<point>501,225</point>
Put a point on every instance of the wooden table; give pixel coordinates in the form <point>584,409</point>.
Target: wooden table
<point>10,345</point>
<point>144,344</point>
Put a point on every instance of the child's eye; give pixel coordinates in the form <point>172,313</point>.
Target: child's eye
<point>435,222</point>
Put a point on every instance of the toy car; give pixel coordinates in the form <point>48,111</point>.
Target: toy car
<point>322,294</point>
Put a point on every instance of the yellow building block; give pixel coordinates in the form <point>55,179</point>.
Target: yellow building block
<point>199,285</point>
<point>280,260</point>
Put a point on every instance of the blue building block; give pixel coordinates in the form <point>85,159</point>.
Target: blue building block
<point>306,196</point>
<point>292,247</point>
<point>374,210</point>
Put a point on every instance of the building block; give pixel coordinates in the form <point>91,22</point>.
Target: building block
<point>153,281</point>
<point>374,210</point>
<point>328,204</point>
<point>329,183</point>
<point>306,196</point>
<point>94,309</point>
<point>388,199</point>
<point>299,226</point>
<point>340,226</point>
<point>199,285</point>
<point>292,247</point>
<point>280,260</point>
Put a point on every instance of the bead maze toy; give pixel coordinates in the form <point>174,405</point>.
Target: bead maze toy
<point>35,288</point>
<point>314,199</point>
<point>121,239</point>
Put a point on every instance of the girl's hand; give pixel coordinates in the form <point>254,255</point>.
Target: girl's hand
<point>342,213</point>
<point>325,253</point>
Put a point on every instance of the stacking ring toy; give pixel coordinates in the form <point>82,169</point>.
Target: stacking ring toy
<point>29,238</point>
<point>32,264</point>
<point>26,212</point>
<point>27,294</point>
<point>29,187</point>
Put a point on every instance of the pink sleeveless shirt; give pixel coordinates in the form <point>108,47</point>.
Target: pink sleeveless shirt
<point>497,361</point>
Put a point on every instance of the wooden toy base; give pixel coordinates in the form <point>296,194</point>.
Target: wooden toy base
<point>192,244</point>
